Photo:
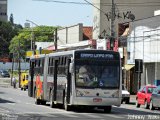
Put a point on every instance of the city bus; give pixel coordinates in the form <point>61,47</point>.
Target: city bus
<point>88,78</point>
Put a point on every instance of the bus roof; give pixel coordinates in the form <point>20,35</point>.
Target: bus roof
<point>70,52</point>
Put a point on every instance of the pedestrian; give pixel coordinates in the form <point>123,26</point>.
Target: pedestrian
<point>14,82</point>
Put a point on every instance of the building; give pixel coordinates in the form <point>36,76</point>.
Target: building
<point>144,43</point>
<point>3,10</point>
<point>73,37</point>
<point>124,11</point>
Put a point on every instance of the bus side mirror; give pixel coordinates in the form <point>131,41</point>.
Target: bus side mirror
<point>71,67</point>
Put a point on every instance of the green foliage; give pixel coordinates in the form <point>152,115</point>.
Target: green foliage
<point>7,32</point>
<point>11,34</point>
<point>38,34</point>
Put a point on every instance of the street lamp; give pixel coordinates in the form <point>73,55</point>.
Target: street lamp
<point>32,33</point>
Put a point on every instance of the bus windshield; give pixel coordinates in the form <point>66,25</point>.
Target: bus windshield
<point>97,74</point>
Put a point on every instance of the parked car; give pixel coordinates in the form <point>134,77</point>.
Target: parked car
<point>125,95</point>
<point>155,99</point>
<point>4,73</point>
<point>143,96</point>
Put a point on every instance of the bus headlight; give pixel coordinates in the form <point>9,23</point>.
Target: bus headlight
<point>115,94</point>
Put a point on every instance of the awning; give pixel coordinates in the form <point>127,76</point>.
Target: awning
<point>128,67</point>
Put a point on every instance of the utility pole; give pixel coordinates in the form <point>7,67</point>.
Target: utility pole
<point>55,39</point>
<point>19,63</point>
<point>33,48</point>
<point>12,56</point>
<point>112,32</point>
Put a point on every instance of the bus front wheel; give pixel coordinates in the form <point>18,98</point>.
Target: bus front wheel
<point>107,109</point>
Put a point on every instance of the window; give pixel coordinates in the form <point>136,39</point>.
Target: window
<point>62,65</point>
<point>144,89</point>
<point>150,89</point>
<point>51,66</point>
<point>39,66</point>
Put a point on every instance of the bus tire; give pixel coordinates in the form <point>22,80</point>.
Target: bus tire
<point>107,109</point>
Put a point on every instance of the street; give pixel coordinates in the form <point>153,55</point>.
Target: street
<point>16,105</point>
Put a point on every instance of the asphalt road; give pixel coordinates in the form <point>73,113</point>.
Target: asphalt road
<point>16,105</point>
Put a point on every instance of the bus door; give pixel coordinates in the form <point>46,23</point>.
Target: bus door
<point>30,84</point>
<point>68,92</point>
<point>55,80</point>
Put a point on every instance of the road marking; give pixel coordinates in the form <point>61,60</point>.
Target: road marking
<point>113,116</point>
<point>49,115</point>
<point>11,103</point>
<point>92,116</point>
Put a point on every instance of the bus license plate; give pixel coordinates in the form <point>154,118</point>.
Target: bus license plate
<point>97,99</point>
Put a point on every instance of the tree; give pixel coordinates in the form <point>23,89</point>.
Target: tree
<point>7,32</point>
<point>41,34</point>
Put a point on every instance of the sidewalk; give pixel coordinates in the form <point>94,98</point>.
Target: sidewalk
<point>5,82</point>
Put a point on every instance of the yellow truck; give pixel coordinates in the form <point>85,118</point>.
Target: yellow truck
<point>24,80</point>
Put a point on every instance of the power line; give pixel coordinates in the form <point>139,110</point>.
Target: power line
<point>62,2</point>
<point>138,5</point>
<point>106,4</point>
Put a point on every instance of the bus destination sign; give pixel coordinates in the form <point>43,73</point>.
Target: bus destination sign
<point>98,55</point>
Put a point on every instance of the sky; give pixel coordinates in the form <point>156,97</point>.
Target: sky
<point>50,13</point>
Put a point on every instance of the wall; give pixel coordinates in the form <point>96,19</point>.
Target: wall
<point>143,41</point>
<point>140,8</point>
<point>72,34</point>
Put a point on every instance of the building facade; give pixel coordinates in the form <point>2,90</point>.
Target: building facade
<point>3,10</point>
<point>69,35</point>
<point>144,43</point>
<point>123,9</point>
<point>126,11</point>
